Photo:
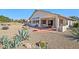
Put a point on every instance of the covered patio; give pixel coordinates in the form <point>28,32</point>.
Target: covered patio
<point>59,24</point>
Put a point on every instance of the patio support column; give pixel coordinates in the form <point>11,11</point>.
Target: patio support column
<point>39,23</point>
<point>57,24</point>
<point>47,23</point>
<point>31,21</point>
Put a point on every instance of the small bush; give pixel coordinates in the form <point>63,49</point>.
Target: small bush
<point>5,28</point>
<point>42,44</point>
<point>76,25</point>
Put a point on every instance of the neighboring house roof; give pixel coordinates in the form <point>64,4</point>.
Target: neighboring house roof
<point>49,13</point>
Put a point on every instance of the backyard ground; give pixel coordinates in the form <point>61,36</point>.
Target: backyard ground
<point>12,31</point>
<point>57,40</point>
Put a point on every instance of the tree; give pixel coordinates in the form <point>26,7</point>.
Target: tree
<point>74,17</point>
<point>5,19</point>
<point>20,20</point>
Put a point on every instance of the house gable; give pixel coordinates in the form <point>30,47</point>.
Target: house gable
<point>41,14</point>
<point>44,14</point>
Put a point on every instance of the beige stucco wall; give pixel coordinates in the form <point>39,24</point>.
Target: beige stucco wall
<point>64,28</point>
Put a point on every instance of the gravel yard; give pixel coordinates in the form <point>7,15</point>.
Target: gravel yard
<point>56,40</point>
<point>12,31</point>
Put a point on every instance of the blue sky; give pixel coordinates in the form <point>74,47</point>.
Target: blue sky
<point>26,13</point>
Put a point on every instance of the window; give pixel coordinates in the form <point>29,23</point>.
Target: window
<point>61,21</point>
<point>43,21</point>
<point>33,21</point>
<point>37,21</point>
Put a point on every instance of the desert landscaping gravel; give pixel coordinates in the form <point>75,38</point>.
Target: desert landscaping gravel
<point>56,40</point>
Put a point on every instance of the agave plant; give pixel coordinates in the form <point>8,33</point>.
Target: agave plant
<point>23,34</point>
<point>5,42</point>
<point>8,43</point>
<point>75,31</point>
<point>16,41</point>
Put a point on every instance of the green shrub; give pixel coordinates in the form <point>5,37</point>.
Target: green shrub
<point>75,31</point>
<point>76,25</point>
<point>43,44</point>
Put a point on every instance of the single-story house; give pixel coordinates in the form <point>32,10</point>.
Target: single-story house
<point>43,19</point>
